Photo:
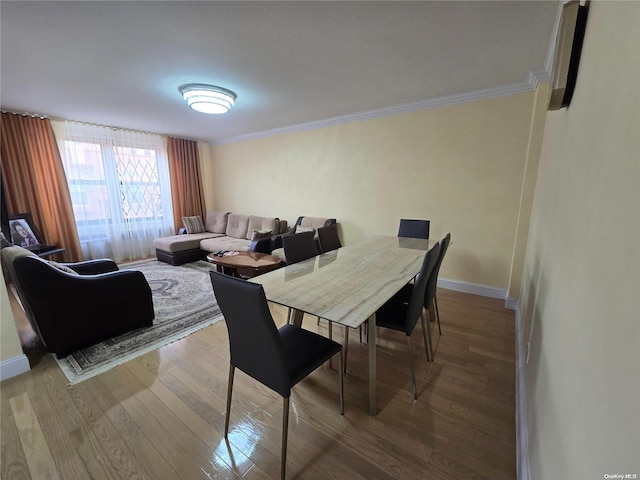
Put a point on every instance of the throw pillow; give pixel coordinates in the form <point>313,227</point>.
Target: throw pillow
<point>260,234</point>
<point>193,224</point>
<point>64,268</point>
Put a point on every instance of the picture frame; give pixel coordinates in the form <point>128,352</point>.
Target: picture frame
<point>23,232</point>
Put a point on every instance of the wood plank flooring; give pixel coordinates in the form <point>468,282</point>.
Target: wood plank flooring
<point>161,416</point>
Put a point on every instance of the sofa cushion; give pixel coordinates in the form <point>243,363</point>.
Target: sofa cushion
<point>262,223</point>
<point>193,224</point>
<point>216,222</point>
<point>178,243</point>
<point>224,243</point>
<point>237,225</point>
<point>279,252</point>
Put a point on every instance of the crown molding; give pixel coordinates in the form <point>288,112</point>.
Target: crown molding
<point>530,85</point>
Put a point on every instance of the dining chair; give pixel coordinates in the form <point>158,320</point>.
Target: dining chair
<point>277,358</point>
<point>299,247</point>
<point>433,281</point>
<point>411,229</point>
<point>329,239</point>
<point>400,315</point>
<point>414,228</point>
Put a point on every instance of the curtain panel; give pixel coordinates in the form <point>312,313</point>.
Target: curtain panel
<point>187,192</point>
<point>34,179</point>
<point>120,189</point>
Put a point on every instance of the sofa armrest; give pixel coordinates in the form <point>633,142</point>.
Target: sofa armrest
<point>262,245</point>
<point>276,240</point>
<point>93,267</point>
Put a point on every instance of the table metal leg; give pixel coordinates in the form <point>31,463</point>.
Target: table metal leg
<point>373,404</point>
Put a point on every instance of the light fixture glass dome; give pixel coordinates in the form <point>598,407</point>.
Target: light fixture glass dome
<point>208,98</point>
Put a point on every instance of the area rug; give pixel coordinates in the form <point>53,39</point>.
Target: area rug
<point>184,303</point>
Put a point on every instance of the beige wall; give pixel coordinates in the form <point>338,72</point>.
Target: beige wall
<point>580,307</point>
<point>461,166</point>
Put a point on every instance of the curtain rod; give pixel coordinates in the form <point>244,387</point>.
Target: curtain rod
<point>26,114</point>
<point>37,115</point>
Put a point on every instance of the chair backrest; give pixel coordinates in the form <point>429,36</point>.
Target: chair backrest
<point>418,292</point>
<point>255,344</point>
<point>299,246</point>
<point>433,278</point>
<point>414,228</point>
<point>329,239</point>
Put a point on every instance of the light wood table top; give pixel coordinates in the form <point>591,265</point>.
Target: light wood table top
<point>347,286</point>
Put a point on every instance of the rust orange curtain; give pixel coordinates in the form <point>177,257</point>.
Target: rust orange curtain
<point>187,194</point>
<point>34,180</point>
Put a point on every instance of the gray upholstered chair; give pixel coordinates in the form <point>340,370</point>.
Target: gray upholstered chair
<point>277,358</point>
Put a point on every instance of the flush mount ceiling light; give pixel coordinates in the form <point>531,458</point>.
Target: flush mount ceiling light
<point>208,98</point>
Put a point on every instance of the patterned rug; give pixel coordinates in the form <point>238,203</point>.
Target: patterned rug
<point>183,301</point>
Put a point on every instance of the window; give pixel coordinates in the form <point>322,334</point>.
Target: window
<point>120,190</point>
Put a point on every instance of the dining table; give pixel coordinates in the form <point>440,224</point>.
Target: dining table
<point>348,285</point>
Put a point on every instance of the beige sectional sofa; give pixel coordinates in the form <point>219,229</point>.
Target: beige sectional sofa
<point>221,231</point>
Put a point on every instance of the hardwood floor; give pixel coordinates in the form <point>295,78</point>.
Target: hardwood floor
<point>161,416</point>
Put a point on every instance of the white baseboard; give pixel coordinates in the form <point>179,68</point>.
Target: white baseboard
<point>522,430</point>
<point>477,289</point>
<point>14,366</point>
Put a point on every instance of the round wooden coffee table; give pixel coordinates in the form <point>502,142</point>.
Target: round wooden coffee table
<point>245,264</point>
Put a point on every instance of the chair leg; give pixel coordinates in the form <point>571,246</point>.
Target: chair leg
<point>427,323</point>
<point>285,430</point>
<point>413,373</point>
<point>232,370</point>
<point>435,302</point>
<point>341,379</point>
<point>426,331</point>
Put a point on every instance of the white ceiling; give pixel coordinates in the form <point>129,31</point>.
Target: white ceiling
<point>290,63</point>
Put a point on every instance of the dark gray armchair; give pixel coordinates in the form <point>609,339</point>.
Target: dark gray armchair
<point>74,305</point>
